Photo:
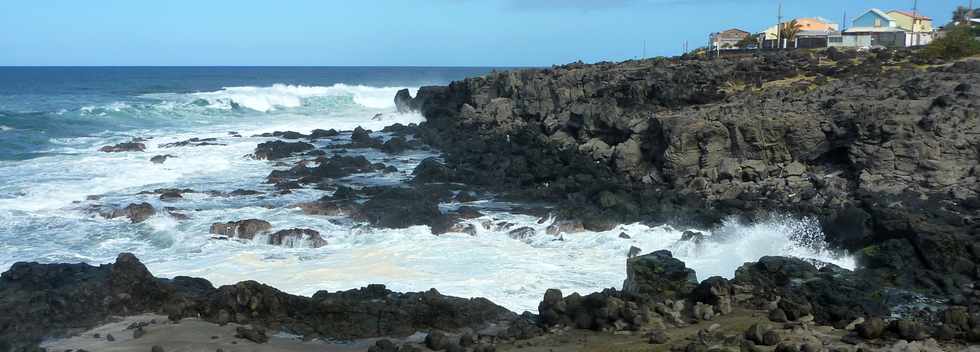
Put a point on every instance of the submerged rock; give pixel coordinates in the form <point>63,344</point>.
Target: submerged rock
<point>136,212</point>
<point>294,237</point>
<point>192,142</point>
<point>160,159</point>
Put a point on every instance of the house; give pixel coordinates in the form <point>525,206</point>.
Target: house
<point>728,39</point>
<point>874,18</point>
<point>911,22</point>
<point>918,27</point>
<point>813,33</point>
<point>877,28</point>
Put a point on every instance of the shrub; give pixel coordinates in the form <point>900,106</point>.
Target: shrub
<point>959,42</point>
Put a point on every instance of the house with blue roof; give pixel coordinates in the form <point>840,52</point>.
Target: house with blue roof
<point>877,28</point>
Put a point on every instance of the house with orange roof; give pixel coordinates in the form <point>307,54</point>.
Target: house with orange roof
<point>813,33</point>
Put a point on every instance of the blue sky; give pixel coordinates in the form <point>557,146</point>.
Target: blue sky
<point>381,32</point>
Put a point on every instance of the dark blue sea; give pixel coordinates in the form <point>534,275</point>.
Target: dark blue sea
<point>40,105</point>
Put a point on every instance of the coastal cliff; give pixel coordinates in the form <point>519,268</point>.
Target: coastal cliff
<point>883,151</point>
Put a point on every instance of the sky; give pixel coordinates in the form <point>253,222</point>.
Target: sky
<point>387,33</point>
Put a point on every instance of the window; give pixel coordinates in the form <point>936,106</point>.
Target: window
<point>877,22</point>
<point>836,39</point>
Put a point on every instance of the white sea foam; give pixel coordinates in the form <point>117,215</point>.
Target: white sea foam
<point>281,96</point>
<point>39,219</point>
<point>5,128</point>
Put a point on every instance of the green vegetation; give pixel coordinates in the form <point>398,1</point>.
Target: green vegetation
<point>963,13</point>
<point>959,42</point>
<point>790,30</point>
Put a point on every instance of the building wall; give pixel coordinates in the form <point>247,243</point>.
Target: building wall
<point>905,22</point>
<point>890,39</point>
<point>850,41</point>
<point>872,19</point>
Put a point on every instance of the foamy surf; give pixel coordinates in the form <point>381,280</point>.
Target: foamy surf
<point>285,96</point>
<point>45,214</point>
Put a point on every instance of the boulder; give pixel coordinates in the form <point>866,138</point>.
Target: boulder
<point>717,292</point>
<point>436,341</point>
<point>431,170</point>
<point>256,335</point>
<point>658,276</point>
<point>244,229</point>
<point>136,212</point>
<point>295,237</point>
<point>872,328</point>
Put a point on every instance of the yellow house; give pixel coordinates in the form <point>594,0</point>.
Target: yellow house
<point>806,24</point>
<point>911,23</point>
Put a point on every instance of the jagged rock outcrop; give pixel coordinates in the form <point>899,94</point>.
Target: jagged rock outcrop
<point>886,156</point>
<point>51,300</point>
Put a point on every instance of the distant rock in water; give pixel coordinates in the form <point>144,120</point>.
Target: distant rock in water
<point>320,134</point>
<point>193,142</point>
<point>278,149</point>
<point>244,229</point>
<point>124,147</point>
<point>160,159</point>
<point>294,237</point>
<point>134,212</point>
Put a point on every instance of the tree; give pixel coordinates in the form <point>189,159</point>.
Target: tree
<point>963,13</point>
<point>959,42</point>
<point>789,30</point>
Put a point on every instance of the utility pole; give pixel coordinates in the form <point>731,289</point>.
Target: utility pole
<point>843,22</point>
<point>779,26</point>
<point>915,19</point>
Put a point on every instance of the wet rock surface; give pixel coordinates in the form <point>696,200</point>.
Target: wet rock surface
<point>136,212</point>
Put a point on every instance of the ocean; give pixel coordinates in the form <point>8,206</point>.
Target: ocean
<point>53,120</point>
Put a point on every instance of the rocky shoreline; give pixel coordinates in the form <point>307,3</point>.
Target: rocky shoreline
<point>775,304</point>
<point>882,149</point>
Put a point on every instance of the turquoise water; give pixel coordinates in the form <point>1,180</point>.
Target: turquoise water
<point>41,106</point>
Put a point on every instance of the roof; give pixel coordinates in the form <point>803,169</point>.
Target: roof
<point>733,31</point>
<point>816,33</point>
<point>909,14</point>
<point>879,13</point>
<point>873,30</point>
<point>975,20</point>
